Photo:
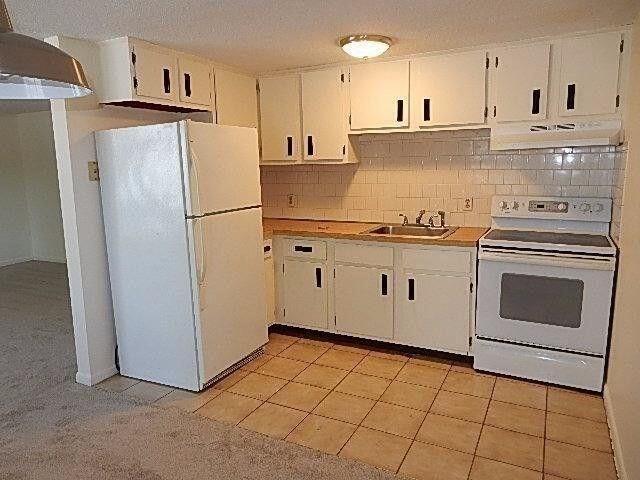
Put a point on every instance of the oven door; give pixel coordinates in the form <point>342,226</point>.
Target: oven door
<point>559,301</point>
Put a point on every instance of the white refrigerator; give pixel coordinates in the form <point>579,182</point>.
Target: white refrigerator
<point>183,226</point>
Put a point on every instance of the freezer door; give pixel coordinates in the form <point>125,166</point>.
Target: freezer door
<point>229,269</point>
<point>221,167</point>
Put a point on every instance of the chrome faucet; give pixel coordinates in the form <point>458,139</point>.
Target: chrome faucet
<point>439,216</point>
<point>405,220</point>
<point>419,217</point>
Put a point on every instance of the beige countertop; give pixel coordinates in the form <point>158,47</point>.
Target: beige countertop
<point>462,237</point>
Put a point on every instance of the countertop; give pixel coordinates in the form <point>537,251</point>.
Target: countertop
<point>462,237</point>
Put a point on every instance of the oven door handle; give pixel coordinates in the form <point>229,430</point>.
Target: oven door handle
<point>551,260</point>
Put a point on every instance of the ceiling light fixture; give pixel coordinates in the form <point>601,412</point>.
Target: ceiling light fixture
<point>365,46</point>
<point>33,69</point>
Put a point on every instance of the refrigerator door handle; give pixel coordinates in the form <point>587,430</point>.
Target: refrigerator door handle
<point>201,266</point>
<point>193,160</point>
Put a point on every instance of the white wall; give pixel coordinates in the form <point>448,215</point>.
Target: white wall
<point>622,390</point>
<point>74,122</point>
<point>15,240</point>
<point>41,185</point>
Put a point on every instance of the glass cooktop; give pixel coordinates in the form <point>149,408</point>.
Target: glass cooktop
<point>577,239</point>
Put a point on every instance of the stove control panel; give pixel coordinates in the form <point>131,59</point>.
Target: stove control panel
<point>557,208</point>
<point>548,206</point>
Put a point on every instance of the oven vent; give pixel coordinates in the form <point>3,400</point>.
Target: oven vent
<point>545,135</point>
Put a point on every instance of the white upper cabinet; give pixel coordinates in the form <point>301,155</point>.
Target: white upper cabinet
<point>156,71</point>
<point>323,115</point>
<point>280,118</point>
<point>134,72</point>
<point>195,80</point>
<point>236,99</point>
<point>379,94</point>
<point>588,80</point>
<point>448,89</point>
<point>520,78</point>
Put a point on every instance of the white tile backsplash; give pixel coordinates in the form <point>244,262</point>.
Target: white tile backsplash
<point>405,172</point>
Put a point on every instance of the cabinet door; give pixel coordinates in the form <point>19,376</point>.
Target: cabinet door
<point>236,99</point>
<point>305,293</point>
<point>155,72</point>
<point>280,118</point>
<point>589,74</point>
<point>195,81</point>
<point>520,78</point>
<point>379,95</point>
<point>364,301</point>
<point>448,89</point>
<point>323,117</point>
<point>434,312</point>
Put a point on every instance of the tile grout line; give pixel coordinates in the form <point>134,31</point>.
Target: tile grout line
<point>423,420</point>
<point>475,452</point>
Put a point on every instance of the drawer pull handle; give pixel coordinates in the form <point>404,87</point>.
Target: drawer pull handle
<point>571,96</point>
<point>412,289</point>
<point>535,108</point>
<point>166,76</point>
<point>318,277</point>
<point>384,284</point>
<point>303,249</point>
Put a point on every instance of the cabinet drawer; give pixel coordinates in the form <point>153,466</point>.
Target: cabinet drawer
<point>305,249</point>
<point>436,260</point>
<point>364,254</point>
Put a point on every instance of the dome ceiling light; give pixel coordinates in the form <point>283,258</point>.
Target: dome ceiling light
<point>33,69</point>
<point>365,46</point>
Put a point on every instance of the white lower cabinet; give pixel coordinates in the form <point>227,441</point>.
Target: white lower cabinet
<point>434,311</point>
<point>305,293</point>
<point>420,296</point>
<point>364,301</point>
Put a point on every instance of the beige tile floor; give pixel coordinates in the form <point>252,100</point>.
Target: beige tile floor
<point>420,417</point>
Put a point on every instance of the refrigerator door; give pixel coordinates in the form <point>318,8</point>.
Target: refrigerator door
<point>229,267</point>
<point>222,169</point>
<point>148,253</point>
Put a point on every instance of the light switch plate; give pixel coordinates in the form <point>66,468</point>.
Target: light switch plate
<point>94,172</point>
<point>467,204</point>
<point>292,201</point>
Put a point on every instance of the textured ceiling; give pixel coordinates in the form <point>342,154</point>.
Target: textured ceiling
<point>264,35</point>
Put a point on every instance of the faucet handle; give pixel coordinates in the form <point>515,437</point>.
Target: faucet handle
<point>419,217</point>
<point>405,220</point>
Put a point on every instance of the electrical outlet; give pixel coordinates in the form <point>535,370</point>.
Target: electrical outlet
<point>292,201</point>
<point>94,172</point>
<point>467,204</point>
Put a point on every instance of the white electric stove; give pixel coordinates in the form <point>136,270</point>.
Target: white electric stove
<point>545,282</point>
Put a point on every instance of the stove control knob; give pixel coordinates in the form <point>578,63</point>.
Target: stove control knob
<point>598,207</point>
<point>504,205</point>
<point>585,207</point>
<point>516,205</point>
<point>562,207</point>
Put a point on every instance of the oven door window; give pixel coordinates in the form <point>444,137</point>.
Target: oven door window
<point>541,300</point>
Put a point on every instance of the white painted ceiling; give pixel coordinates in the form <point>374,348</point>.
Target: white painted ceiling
<point>267,35</point>
<point>264,35</point>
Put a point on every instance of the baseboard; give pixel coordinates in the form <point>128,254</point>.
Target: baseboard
<point>12,261</point>
<point>50,259</point>
<point>615,439</point>
<point>90,380</point>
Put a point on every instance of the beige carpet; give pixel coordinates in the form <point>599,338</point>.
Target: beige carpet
<point>53,428</point>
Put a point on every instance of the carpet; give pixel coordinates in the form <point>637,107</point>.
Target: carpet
<point>53,428</point>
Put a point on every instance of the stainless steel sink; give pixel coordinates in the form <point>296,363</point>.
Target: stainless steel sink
<point>413,231</point>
